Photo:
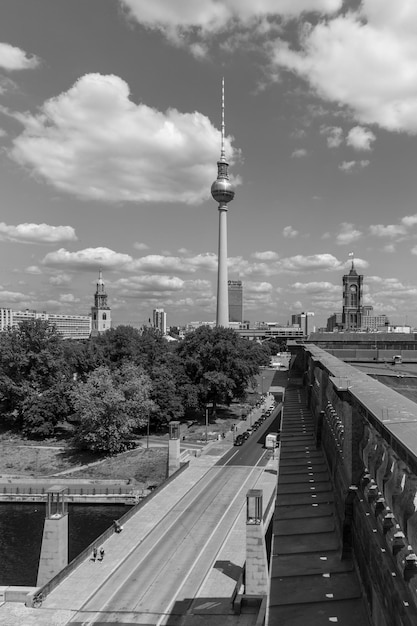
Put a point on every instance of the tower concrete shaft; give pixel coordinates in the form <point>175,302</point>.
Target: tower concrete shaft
<point>222,314</point>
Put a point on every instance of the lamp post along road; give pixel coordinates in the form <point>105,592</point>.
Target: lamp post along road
<point>209,405</point>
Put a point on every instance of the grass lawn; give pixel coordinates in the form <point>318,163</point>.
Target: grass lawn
<point>19,457</point>
<point>144,466</point>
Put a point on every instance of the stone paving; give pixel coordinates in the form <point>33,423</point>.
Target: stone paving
<point>310,584</point>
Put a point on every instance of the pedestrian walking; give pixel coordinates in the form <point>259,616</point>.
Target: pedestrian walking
<point>94,554</point>
<point>101,552</point>
<point>117,526</point>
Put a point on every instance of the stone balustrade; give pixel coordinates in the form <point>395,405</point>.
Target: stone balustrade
<point>369,435</point>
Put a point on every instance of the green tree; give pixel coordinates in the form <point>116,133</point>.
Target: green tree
<point>145,347</point>
<point>110,405</point>
<point>119,344</point>
<point>82,357</point>
<point>220,363</point>
<point>168,402</point>
<point>34,377</point>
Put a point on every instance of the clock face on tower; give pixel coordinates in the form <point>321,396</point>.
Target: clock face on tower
<point>353,288</point>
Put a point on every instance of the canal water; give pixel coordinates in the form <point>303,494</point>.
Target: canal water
<point>21,528</point>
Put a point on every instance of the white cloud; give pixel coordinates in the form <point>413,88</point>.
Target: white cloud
<point>163,263</point>
<point>140,246</point>
<point>360,138</point>
<point>13,58</point>
<point>268,255</point>
<point>390,230</point>
<point>88,259</point>
<point>348,234</point>
<point>95,258</point>
<point>8,297</point>
<point>33,269</point>
<point>152,284</point>
<point>289,232</point>
<point>347,166</point>
<point>314,262</point>
<point>251,287</point>
<point>320,288</point>
<point>188,22</point>
<point>333,134</point>
<point>36,233</point>
<point>299,153</point>
<point>390,287</point>
<point>365,59</point>
<point>94,142</point>
<point>60,279</point>
<point>409,220</point>
<point>68,298</point>
<point>351,166</point>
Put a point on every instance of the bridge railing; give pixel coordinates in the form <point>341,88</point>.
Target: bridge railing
<point>85,554</point>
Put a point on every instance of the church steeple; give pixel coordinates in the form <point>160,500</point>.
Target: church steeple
<point>100,312</point>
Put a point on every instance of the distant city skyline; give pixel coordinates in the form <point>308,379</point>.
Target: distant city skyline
<point>109,152</point>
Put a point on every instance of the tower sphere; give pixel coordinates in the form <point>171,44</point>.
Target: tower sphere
<point>222,190</point>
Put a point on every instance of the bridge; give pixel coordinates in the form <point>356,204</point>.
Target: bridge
<point>343,537</point>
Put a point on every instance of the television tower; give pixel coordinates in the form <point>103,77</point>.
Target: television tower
<point>222,192</point>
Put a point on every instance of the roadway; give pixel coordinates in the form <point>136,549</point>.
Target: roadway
<point>158,580</point>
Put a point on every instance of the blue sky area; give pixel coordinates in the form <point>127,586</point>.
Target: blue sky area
<point>110,133</point>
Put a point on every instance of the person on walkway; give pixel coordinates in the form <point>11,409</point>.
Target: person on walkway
<point>101,552</point>
<point>94,554</point>
<point>117,526</point>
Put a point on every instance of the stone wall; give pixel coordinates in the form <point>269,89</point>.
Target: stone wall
<point>374,475</point>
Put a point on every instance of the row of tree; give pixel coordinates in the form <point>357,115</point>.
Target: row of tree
<point>121,381</point>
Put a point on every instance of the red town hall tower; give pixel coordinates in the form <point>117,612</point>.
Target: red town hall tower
<point>352,299</point>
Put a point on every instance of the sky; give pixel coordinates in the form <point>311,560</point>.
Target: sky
<point>110,118</point>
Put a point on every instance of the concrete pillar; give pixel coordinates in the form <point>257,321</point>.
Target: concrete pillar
<point>256,573</point>
<point>54,550</point>
<point>173,447</point>
<point>222,315</point>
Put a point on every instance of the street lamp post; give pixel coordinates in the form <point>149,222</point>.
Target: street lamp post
<point>147,431</point>
<point>208,406</point>
<point>263,378</point>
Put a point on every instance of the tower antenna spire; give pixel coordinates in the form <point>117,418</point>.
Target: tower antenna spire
<point>352,256</point>
<point>223,151</point>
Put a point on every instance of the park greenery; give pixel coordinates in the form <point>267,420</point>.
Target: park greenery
<point>105,389</point>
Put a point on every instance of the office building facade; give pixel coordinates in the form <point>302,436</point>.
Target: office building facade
<point>159,320</point>
<point>235,294</point>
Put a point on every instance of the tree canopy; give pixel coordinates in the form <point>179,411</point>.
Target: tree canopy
<point>119,380</point>
<point>110,404</point>
<point>33,377</point>
<point>220,363</point>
